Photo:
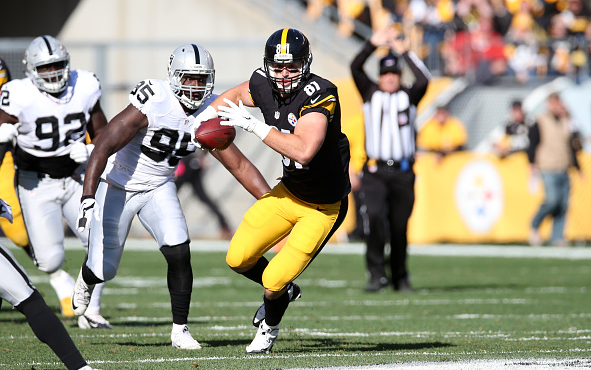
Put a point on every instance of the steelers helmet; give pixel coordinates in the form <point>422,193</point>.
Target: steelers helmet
<point>287,46</point>
<point>191,59</point>
<point>45,50</point>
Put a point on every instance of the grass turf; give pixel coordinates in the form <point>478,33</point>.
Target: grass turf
<point>464,308</point>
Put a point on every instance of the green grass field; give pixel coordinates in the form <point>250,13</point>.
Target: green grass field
<point>464,308</point>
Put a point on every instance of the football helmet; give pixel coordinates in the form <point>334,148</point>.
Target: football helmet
<point>45,50</point>
<point>287,46</point>
<point>191,59</point>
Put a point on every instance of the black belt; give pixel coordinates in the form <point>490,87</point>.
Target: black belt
<point>394,164</point>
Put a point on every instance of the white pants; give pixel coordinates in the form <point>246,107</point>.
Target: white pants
<point>159,210</point>
<point>15,285</point>
<point>44,201</point>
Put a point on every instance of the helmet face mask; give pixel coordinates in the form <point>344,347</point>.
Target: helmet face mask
<point>287,50</point>
<point>47,63</point>
<point>189,63</point>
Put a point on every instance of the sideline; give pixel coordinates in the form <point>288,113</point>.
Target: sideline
<point>458,250</point>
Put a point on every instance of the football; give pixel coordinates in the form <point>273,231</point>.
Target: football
<point>214,136</point>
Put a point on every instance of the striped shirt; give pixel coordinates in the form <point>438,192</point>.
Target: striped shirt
<point>390,132</point>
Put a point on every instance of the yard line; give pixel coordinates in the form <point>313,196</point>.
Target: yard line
<point>461,250</point>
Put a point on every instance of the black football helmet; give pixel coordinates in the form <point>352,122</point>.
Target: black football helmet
<point>287,46</point>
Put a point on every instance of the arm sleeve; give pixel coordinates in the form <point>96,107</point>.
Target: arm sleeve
<point>534,140</point>
<point>364,84</point>
<point>422,76</point>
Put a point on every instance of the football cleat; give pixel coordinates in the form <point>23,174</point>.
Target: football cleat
<point>81,296</point>
<point>182,339</point>
<point>294,291</point>
<point>264,339</point>
<point>93,322</point>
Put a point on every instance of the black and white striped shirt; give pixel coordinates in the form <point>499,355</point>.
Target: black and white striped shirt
<point>390,132</point>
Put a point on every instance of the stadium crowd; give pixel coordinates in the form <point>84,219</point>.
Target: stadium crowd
<point>482,39</point>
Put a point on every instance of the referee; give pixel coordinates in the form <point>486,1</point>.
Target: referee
<point>387,183</point>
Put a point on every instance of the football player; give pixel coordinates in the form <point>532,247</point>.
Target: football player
<point>302,123</point>
<point>50,112</point>
<point>131,172</point>
<point>16,288</point>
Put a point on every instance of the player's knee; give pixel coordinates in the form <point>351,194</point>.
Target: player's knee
<point>109,270</point>
<point>177,255</point>
<point>235,262</point>
<point>50,263</point>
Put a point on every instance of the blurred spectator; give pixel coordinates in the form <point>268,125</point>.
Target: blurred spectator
<point>553,143</point>
<point>515,135</point>
<point>442,134</point>
<point>479,50</point>
<point>190,170</point>
<point>434,17</point>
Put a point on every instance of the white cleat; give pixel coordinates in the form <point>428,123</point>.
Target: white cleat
<point>81,296</point>
<point>294,291</point>
<point>182,339</point>
<point>88,321</point>
<point>264,340</point>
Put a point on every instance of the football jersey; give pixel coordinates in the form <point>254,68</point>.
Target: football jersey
<point>326,178</point>
<point>48,124</point>
<point>152,155</point>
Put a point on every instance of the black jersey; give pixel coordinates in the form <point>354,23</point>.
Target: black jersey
<point>326,178</point>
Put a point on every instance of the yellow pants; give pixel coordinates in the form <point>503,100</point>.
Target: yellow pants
<point>276,215</point>
<point>15,231</point>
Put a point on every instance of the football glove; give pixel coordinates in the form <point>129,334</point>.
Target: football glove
<point>80,152</point>
<point>237,115</point>
<point>207,114</point>
<point>8,131</point>
<point>85,213</point>
<point>5,210</point>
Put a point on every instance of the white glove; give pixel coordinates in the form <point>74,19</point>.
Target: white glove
<point>80,152</point>
<point>237,115</point>
<point>85,213</point>
<point>208,113</point>
<point>5,210</point>
<point>8,131</point>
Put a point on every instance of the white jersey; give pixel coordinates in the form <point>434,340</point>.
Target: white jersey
<point>151,157</point>
<point>48,123</point>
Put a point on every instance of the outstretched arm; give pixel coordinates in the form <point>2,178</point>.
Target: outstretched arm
<point>243,170</point>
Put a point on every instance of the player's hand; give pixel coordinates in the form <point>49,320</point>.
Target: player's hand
<point>207,114</point>
<point>238,116</point>
<point>5,210</point>
<point>85,213</point>
<point>80,152</point>
<point>8,131</point>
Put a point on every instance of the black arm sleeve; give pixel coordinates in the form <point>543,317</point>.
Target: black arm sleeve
<point>364,84</point>
<point>534,140</point>
<point>575,138</point>
<point>422,75</point>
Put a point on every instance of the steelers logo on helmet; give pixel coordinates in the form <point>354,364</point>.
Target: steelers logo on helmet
<point>189,62</point>
<point>47,64</point>
<point>287,60</point>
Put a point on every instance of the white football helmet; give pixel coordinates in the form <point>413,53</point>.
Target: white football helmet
<point>191,59</point>
<point>45,50</point>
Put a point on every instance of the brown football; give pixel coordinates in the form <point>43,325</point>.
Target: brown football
<point>214,136</point>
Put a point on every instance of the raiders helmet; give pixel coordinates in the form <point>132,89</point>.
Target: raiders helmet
<point>191,59</point>
<point>287,46</point>
<point>45,50</point>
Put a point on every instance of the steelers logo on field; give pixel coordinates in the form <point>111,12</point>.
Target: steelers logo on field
<point>479,196</point>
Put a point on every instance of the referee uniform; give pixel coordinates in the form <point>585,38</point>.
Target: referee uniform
<point>388,176</point>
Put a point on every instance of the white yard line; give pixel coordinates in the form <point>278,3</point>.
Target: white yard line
<point>462,250</point>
